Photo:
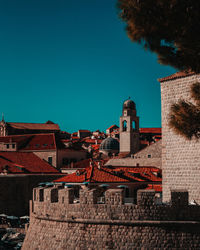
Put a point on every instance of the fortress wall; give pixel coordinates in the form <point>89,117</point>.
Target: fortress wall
<point>58,223</point>
<point>180,157</point>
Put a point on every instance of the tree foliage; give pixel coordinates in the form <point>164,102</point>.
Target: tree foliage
<point>170,28</point>
<point>185,116</point>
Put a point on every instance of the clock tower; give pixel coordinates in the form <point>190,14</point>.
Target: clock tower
<point>129,128</point>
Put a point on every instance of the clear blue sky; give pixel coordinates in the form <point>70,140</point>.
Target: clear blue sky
<point>71,62</point>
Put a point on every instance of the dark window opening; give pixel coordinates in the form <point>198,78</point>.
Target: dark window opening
<point>7,145</point>
<point>124,125</point>
<point>50,160</point>
<point>149,156</point>
<point>133,126</point>
<point>41,195</point>
<point>13,145</point>
<point>126,192</point>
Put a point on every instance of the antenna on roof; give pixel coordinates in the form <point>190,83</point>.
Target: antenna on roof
<point>2,119</point>
<point>129,97</point>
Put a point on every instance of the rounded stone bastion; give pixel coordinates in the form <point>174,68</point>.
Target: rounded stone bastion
<point>96,220</point>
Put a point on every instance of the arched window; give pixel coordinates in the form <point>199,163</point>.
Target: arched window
<point>133,125</point>
<point>124,125</point>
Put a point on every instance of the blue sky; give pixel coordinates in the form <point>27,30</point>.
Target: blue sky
<point>71,62</point>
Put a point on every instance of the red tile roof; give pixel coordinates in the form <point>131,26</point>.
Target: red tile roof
<point>34,126</point>
<point>151,130</point>
<point>96,147</point>
<point>34,142</point>
<point>176,75</point>
<point>115,174</point>
<point>92,141</point>
<point>113,126</point>
<point>24,163</point>
<point>157,188</point>
<point>75,137</point>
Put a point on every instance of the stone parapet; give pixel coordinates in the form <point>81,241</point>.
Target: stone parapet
<point>57,222</point>
<point>58,203</point>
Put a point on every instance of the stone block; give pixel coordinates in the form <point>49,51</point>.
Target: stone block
<point>66,195</point>
<point>114,196</point>
<point>146,198</point>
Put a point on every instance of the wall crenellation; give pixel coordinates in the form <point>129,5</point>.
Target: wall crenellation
<point>58,203</point>
<point>97,222</point>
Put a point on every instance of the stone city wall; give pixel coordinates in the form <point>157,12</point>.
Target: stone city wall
<point>59,223</point>
<point>180,156</point>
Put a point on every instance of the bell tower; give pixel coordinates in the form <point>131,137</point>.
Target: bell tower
<point>129,128</point>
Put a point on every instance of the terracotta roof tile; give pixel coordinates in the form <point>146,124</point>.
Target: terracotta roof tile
<point>34,126</point>
<point>157,188</point>
<point>113,126</point>
<point>151,130</point>
<point>115,174</point>
<point>176,75</point>
<point>24,162</point>
<point>34,142</point>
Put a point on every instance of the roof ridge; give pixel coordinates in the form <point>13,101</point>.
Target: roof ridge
<point>33,123</point>
<point>27,135</point>
<point>179,74</point>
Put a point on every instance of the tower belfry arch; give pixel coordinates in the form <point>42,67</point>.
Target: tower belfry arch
<point>129,128</point>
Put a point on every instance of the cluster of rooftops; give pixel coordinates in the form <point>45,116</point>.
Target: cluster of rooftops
<point>24,146</point>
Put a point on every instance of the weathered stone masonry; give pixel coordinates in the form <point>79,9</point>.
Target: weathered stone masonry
<point>180,157</point>
<point>58,223</point>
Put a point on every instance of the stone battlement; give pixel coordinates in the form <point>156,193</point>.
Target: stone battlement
<point>57,203</point>
<point>108,222</point>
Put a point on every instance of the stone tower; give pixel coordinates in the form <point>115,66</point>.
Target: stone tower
<point>180,156</point>
<point>129,128</point>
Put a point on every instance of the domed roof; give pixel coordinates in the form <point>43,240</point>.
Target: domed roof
<point>129,104</point>
<point>109,144</point>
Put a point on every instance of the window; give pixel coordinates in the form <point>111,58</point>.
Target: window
<point>7,145</point>
<point>126,192</point>
<point>149,156</point>
<point>13,145</point>
<point>124,125</point>
<point>133,126</point>
<point>50,160</point>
